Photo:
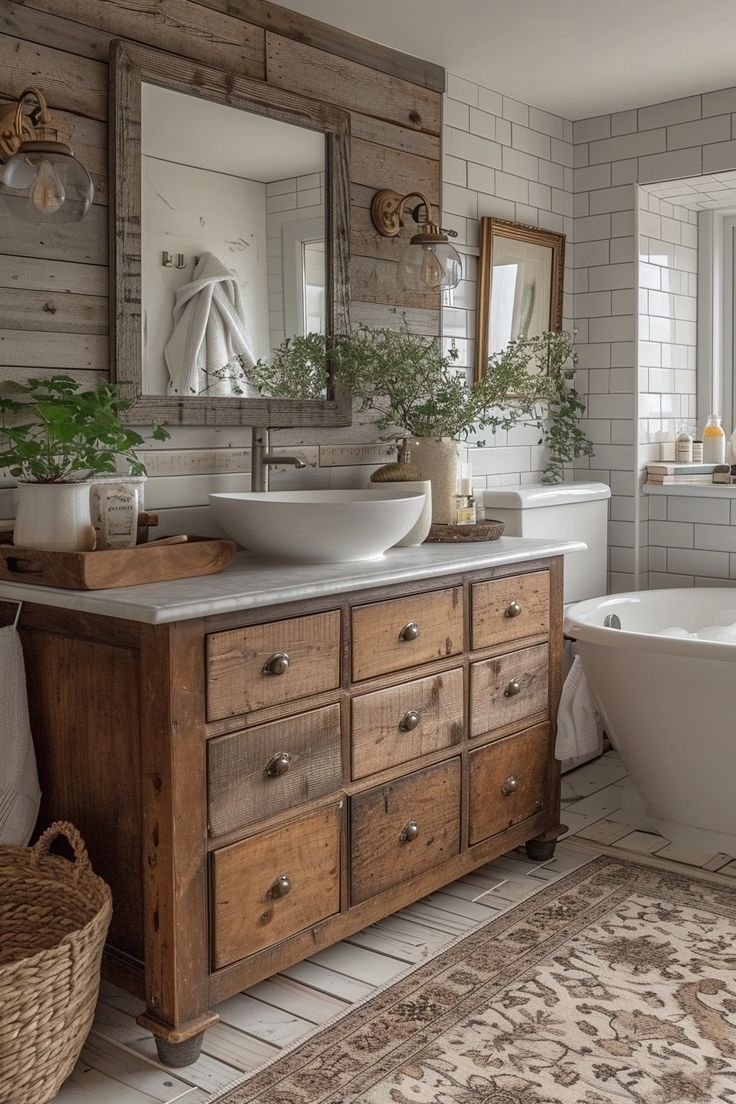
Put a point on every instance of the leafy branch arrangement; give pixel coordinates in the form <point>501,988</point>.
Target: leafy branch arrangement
<point>52,431</point>
<point>413,389</point>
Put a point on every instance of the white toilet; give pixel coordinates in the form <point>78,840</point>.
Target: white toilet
<point>569,511</point>
<point>566,511</point>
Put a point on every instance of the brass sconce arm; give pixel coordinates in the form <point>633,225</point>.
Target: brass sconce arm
<point>388,209</point>
<point>16,126</point>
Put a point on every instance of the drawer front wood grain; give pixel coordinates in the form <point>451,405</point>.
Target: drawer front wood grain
<point>509,689</point>
<point>403,828</point>
<point>403,632</point>
<point>513,608</point>
<point>262,665</point>
<point>405,722</point>
<point>507,782</point>
<point>270,886</point>
<point>271,768</point>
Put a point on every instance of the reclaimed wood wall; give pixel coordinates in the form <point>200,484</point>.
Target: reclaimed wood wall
<point>54,278</point>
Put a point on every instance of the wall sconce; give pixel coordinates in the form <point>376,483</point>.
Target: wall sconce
<point>40,168</point>
<point>429,261</point>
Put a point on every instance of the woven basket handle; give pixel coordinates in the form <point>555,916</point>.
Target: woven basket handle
<point>82,865</point>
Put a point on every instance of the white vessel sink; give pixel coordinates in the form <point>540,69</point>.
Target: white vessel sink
<point>318,526</point>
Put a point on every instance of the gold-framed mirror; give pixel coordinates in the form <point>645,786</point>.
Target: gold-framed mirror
<point>520,285</point>
<point>230,232</point>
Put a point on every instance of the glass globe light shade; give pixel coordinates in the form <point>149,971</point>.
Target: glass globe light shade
<point>429,262</point>
<point>49,180</point>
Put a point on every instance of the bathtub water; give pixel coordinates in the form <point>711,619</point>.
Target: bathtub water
<point>668,704</point>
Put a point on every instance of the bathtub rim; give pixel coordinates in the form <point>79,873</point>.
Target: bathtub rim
<point>578,626</point>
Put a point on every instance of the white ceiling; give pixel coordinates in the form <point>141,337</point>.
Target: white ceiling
<point>698,193</point>
<point>575,58</point>
<point>207,135</point>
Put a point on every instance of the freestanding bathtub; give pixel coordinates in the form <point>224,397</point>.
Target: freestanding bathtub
<point>668,704</point>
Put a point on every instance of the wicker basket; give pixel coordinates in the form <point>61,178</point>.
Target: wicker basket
<point>54,917</point>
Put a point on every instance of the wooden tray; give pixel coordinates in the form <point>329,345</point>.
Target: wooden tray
<point>115,567</point>
<point>457,534</point>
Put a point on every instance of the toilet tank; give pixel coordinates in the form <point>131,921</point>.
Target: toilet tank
<point>568,511</point>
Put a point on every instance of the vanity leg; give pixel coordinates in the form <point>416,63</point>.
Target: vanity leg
<point>177,1055</point>
<point>174,789</point>
<point>542,848</point>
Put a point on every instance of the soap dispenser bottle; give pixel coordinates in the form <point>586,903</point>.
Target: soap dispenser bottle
<point>683,447</point>
<point>714,441</point>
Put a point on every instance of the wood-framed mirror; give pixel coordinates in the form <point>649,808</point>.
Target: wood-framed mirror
<point>520,284</point>
<point>229,232</point>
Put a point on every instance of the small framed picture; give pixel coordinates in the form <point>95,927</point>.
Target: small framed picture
<point>519,285</point>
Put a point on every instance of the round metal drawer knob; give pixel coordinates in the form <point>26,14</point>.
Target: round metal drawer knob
<point>281,886</point>
<point>509,786</point>
<point>410,832</point>
<point>513,688</point>
<point>513,609</point>
<point>278,765</point>
<point>409,632</point>
<point>410,720</point>
<point>276,664</point>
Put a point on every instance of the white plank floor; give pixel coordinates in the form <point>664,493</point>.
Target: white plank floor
<point>119,1063</point>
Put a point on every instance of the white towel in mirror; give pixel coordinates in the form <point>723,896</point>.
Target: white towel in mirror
<point>209,331</point>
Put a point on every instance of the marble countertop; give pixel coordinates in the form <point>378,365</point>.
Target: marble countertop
<point>250,582</point>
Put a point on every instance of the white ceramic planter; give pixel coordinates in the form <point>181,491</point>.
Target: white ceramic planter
<point>438,462</point>
<point>54,516</point>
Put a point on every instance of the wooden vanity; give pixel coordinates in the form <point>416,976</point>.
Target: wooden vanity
<point>260,782</point>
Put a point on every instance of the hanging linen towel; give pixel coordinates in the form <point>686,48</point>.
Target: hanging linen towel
<point>19,792</point>
<point>209,331</point>
<point>578,731</point>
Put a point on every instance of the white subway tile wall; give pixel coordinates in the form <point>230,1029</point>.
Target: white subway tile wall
<point>692,539</point>
<point>507,160</point>
<point>662,142</point>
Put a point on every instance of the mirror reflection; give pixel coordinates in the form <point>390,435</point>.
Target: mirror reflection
<point>233,220</point>
<point>521,271</point>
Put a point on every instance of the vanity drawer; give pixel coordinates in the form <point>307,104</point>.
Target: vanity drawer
<point>405,722</point>
<point>268,769</point>
<point>403,828</point>
<point>273,885</point>
<point>403,632</point>
<point>510,609</point>
<point>507,782</point>
<point>262,665</point>
<point>509,689</point>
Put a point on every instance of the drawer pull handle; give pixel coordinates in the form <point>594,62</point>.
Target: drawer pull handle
<point>513,609</point>
<point>280,887</point>
<point>509,786</point>
<point>513,688</point>
<point>276,664</point>
<point>409,632</point>
<point>278,765</point>
<point>410,720</point>
<point>410,832</point>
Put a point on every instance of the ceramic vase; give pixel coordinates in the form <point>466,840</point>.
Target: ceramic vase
<point>438,462</point>
<point>55,517</point>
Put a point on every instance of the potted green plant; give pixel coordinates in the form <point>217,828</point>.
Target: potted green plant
<point>420,398</point>
<point>55,437</point>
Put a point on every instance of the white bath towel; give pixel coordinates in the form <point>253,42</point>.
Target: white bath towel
<point>19,792</point>
<point>578,731</point>
<point>209,331</point>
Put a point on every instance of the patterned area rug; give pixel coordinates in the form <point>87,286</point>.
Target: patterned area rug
<point>615,985</point>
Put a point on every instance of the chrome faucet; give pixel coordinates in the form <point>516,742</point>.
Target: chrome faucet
<point>262,459</point>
